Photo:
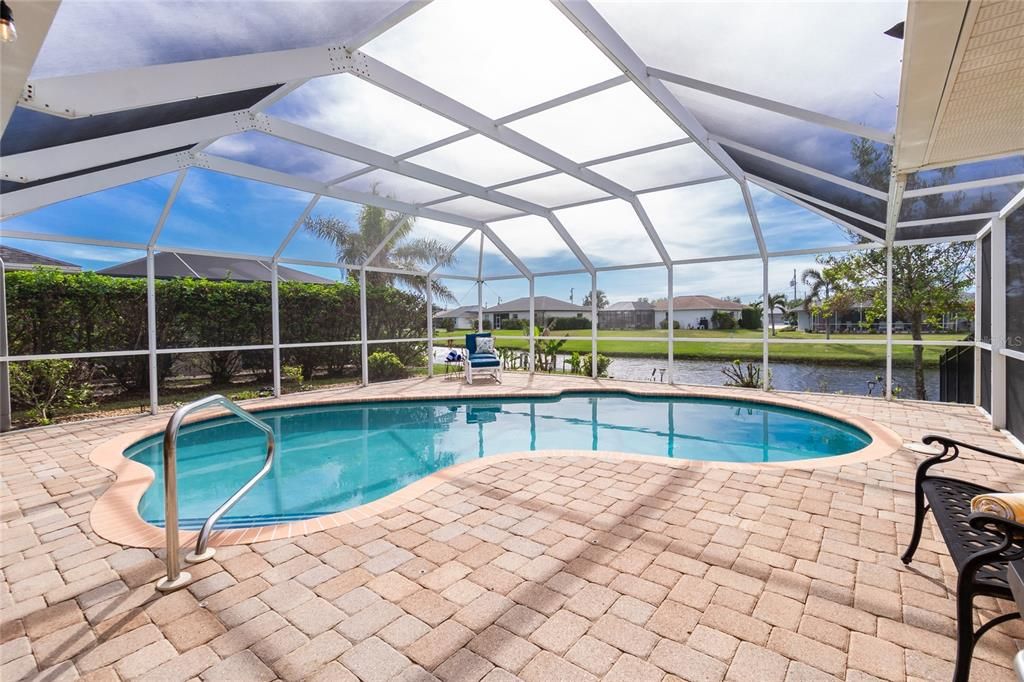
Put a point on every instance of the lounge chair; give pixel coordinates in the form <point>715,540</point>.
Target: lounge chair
<point>481,363</point>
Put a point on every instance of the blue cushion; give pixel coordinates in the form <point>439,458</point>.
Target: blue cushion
<point>485,361</point>
<point>483,356</point>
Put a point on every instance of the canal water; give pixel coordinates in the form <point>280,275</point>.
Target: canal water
<point>786,376</point>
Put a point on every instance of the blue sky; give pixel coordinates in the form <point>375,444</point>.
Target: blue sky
<point>828,57</point>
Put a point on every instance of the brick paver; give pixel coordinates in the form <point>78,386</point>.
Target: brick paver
<point>566,567</point>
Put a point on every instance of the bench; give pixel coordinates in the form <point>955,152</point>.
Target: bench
<point>980,544</point>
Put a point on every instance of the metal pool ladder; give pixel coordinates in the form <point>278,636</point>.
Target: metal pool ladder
<point>176,578</point>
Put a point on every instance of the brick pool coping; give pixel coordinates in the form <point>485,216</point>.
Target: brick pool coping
<point>115,515</point>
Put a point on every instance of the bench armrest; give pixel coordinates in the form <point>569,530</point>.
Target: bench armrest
<point>1012,533</point>
<point>995,523</point>
<point>955,445</point>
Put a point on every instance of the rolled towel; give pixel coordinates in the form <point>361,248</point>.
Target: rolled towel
<point>1007,505</point>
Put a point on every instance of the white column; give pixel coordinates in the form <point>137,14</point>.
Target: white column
<point>430,327</point>
<point>888,322</point>
<point>765,315</point>
<point>593,324</point>
<point>5,375</point>
<point>998,303</point>
<point>979,274</point>
<point>275,327</point>
<point>154,397</point>
<point>480,287</point>
<point>479,305</point>
<point>533,338</point>
<point>671,327</point>
<point>363,346</point>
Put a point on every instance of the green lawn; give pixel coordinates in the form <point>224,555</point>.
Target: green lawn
<point>712,347</point>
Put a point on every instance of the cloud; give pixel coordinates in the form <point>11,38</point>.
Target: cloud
<point>496,56</point>
<point>499,56</point>
<point>830,57</point>
<point>102,35</point>
<point>357,111</point>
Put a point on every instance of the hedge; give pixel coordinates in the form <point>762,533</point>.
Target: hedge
<point>53,312</point>
<point>566,323</point>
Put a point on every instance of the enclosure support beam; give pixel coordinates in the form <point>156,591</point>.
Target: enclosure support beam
<point>394,81</point>
<point>888,322</point>
<point>171,197</point>
<point>671,327</point>
<point>979,275</point>
<point>430,326</point>
<point>762,248</point>
<point>594,26</point>
<point>28,199</point>
<point>593,325</point>
<point>774,106</point>
<point>894,202</point>
<point>349,150</point>
<point>363,333</point>
<point>766,313</point>
<point>480,288</point>
<point>533,326</point>
<point>16,59</point>
<point>795,198</point>
<point>295,228</point>
<point>275,327</point>
<point>403,12</point>
<point>154,396</point>
<point>5,376</point>
<point>998,305</point>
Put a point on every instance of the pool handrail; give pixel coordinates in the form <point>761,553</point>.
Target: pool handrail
<point>176,578</point>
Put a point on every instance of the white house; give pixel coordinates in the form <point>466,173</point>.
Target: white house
<point>465,317</point>
<point>544,307</point>
<point>696,312</point>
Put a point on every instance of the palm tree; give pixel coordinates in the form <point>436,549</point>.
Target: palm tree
<point>776,302</point>
<point>823,290</point>
<point>354,245</point>
<point>602,299</point>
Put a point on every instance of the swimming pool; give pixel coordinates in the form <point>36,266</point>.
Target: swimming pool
<point>336,457</point>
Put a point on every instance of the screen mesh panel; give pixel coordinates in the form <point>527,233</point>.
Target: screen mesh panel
<point>1015,280</point>
<point>823,190</point>
<point>29,130</point>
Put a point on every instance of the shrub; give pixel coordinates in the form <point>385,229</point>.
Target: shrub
<point>565,323</point>
<point>447,324</point>
<point>46,385</point>
<point>385,365</point>
<point>586,366</point>
<point>55,312</point>
<point>745,376</point>
<point>750,318</point>
<point>664,324</point>
<point>515,325</point>
<point>487,325</point>
<point>722,320</point>
<point>292,374</point>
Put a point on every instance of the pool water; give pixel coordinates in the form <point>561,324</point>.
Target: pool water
<point>334,457</point>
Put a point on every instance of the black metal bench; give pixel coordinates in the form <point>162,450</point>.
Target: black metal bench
<point>980,544</point>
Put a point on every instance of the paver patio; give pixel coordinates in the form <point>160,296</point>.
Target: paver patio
<point>546,568</point>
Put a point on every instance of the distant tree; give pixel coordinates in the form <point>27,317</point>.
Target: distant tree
<point>354,244</point>
<point>776,303</point>
<point>928,280</point>
<point>824,296</point>
<point>602,300</point>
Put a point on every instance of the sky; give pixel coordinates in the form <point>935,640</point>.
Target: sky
<point>500,57</point>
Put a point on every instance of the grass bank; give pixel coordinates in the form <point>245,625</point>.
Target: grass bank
<point>728,345</point>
